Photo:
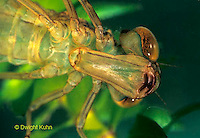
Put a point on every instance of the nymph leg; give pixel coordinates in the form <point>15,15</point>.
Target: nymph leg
<point>86,107</point>
<point>73,80</point>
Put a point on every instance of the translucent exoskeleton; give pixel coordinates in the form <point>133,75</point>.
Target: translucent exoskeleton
<point>62,43</point>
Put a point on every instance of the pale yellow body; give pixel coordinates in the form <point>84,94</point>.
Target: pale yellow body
<point>61,43</point>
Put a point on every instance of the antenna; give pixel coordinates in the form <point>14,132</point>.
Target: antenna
<point>164,64</point>
<point>160,98</point>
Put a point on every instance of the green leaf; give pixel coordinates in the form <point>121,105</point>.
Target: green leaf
<point>103,99</point>
<point>106,10</point>
<point>14,89</point>
<point>159,115</point>
<point>56,5</point>
<point>164,118</point>
<point>17,92</point>
<point>174,123</point>
<point>4,66</point>
<point>43,86</point>
<point>77,96</point>
<point>146,128</point>
<point>46,117</point>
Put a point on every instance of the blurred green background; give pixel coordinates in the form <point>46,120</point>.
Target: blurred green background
<point>175,23</point>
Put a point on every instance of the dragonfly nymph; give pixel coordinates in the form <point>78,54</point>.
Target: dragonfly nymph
<point>62,43</point>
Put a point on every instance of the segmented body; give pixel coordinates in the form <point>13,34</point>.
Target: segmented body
<point>25,39</point>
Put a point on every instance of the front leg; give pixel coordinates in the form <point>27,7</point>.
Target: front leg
<point>48,71</point>
<point>86,107</point>
<point>73,80</point>
<point>104,40</point>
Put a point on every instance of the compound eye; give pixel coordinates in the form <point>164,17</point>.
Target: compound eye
<point>128,102</point>
<point>149,43</point>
